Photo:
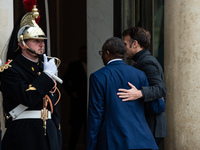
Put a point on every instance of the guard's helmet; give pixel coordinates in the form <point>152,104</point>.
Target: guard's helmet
<point>29,28</point>
<point>25,28</point>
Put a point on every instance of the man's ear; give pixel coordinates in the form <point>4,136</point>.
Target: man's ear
<point>135,43</point>
<point>107,52</point>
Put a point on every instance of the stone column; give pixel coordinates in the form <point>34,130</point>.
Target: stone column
<point>6,26</point>
<point>99,29</point>
<point>182,74</point>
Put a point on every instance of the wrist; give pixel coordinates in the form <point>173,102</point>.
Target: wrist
<point>140,93</point>
<point>53,77</point>
<point>48,74</point>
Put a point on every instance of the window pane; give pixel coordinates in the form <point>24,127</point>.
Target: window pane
<point>158,49</point>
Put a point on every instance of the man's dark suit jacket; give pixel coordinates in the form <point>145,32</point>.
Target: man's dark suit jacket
<point>112,123</point>
<point>151,67</point>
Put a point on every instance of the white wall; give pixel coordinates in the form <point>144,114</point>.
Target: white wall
<point>99,29</point>
<point>6,26</point>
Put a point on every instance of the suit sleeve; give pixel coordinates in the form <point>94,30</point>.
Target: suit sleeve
<point>95,111</point>
<point>156,87</point>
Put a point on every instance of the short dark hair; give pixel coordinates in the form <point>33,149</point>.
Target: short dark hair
<point>115,46</point>
<point>139,34</point>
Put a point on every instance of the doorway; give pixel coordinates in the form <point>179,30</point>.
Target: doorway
<point>67,35</point>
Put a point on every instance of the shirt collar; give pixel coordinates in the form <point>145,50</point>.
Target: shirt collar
<point>113,60</point>
<point>138,54</point>
<point>30,59</point>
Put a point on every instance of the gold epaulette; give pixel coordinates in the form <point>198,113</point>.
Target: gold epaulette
<point>6,66</point>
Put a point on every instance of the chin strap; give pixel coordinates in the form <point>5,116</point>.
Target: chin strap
<point>32,51</point>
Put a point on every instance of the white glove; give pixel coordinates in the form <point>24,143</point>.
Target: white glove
<point>49,66</point>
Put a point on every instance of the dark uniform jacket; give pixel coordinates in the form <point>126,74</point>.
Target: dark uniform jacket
<point>23,82</point>
<point>149,64</point>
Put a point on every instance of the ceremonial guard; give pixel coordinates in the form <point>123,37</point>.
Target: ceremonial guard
<point>30,93</point>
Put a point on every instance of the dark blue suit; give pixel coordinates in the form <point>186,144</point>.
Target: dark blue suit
<point>112,123</point>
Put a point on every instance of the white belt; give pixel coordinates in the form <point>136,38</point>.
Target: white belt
<point>31,114</point>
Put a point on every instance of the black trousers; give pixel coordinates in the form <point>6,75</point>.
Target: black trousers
<point>160,143</point>
<point>140,149</point>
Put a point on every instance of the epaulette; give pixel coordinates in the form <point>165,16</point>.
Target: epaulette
<point>6,66</point>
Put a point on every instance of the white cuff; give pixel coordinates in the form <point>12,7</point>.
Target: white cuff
<point>54,77</point>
